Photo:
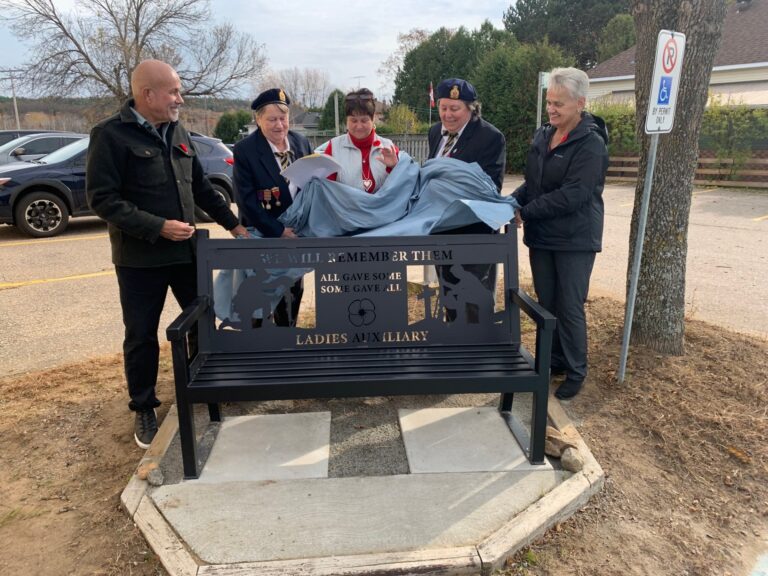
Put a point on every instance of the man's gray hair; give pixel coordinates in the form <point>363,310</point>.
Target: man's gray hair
<point>572,79</point>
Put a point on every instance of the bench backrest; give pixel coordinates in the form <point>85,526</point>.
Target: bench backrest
<point>367,291</point>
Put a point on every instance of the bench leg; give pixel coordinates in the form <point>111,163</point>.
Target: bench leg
<point>214,413</point>
<point>187,437</point>
<point>505,403</point>
<point>538,426</point>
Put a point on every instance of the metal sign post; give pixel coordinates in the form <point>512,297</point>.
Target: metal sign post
<point>670,48</point>
<point>543,81</point>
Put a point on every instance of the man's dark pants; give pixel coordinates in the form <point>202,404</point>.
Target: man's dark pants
<point>142,297</point>
<point>561,281</point>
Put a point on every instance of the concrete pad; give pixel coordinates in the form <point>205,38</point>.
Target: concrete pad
<point>430,524</point>
<point>439,440</point>
<point>269,447</point>
<point>291,519</point>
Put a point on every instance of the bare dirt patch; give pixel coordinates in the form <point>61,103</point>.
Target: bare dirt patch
<point>684,444</point>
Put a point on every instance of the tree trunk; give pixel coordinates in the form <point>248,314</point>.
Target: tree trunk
<point>660,305</point>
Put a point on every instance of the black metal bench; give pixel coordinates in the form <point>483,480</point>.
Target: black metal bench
<point>375,333</point>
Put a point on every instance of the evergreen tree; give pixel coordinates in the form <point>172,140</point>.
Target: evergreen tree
<point>230,124</point>
<point>506,82</point>
<point>574,26</point>
<point>328,117</point>
<point>618,35</point>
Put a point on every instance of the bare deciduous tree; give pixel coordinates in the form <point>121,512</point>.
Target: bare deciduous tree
<point>406,41</point>
<point>93,49</point>
<point>307,87</point>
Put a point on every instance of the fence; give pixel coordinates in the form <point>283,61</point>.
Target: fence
<point>416,145</point>
<point>747,173</point>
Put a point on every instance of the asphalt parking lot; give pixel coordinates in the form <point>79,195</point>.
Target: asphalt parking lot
<point>59,302</point>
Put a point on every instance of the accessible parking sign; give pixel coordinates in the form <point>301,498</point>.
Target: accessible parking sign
<point>670,48</point>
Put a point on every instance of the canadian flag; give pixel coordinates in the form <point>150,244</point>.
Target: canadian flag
<point>431,96</point>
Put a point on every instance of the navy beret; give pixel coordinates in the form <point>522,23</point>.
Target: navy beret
<point>271,96</point>
<point>456,89</point>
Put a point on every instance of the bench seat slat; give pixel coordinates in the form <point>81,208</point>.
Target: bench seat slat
<point>403,365</point>
<point>314,353</point>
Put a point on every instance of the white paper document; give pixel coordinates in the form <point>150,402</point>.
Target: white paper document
<point>307,167</point>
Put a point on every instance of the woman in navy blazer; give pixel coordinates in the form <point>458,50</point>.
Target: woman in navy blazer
<point>262,194</point>
<point>463,135</point>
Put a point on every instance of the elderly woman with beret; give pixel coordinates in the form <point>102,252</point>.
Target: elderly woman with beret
<point>262,193</point>
<point>562,216</point>
<point>366,159</point>
<point>463,135</point>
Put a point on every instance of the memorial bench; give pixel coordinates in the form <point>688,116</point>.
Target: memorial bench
<point>374,332</point>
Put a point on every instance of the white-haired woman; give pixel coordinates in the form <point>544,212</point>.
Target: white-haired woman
<point>562,216</point>
<point>262,193</point>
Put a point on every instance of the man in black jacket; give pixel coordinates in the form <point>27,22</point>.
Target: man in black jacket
<point>144,179</point>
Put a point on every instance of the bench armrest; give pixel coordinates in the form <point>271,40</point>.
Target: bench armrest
<point>545,328</point>
<point>187,319</point>
<point>533,309</point>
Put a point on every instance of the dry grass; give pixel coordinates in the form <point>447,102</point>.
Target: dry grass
<point>684,445</point>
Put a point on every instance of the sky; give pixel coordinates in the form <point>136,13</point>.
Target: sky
<point>347,39</point>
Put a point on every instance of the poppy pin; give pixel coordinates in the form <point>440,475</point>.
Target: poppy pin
<point>184,148</point>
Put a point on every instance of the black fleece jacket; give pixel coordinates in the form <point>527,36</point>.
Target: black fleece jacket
<point>562,196</point>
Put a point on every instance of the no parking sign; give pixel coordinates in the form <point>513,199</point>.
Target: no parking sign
<point>670,48</point>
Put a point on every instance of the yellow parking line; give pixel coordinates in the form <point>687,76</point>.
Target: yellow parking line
<point>8,285</point>
<point>52,240</point>
<point>760,218</point>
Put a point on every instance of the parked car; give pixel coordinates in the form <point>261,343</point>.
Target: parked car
<point>39,198</point>
<point>35,146</point>
<point>8,135</point>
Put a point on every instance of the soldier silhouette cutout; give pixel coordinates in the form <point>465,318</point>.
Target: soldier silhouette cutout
<point>465,298</point>
<point>257,292</point>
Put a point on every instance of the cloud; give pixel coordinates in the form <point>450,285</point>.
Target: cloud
<point>347,39</point>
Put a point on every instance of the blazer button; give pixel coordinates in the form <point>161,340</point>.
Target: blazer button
<point>147,152</point>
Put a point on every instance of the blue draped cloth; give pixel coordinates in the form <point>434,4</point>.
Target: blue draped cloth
<point>442,195</point>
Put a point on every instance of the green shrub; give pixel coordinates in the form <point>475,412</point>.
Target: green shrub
<point>620,121</point>
<point>733,131</point>
<point>730,131</point>
<point>230,124</point>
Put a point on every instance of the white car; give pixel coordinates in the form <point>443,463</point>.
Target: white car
<point>34,146</point>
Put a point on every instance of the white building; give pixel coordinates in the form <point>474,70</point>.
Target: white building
<point>740,72</point>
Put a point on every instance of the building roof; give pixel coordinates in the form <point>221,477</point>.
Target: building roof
<point>306,119</point>
<point>744,41</point>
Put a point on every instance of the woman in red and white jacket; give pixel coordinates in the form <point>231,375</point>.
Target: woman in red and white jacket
<point>366,158</point>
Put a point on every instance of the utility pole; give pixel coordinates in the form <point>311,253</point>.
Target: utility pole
<point>12,78</point>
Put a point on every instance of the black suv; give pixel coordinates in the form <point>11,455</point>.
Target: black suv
<point>39,198</point>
